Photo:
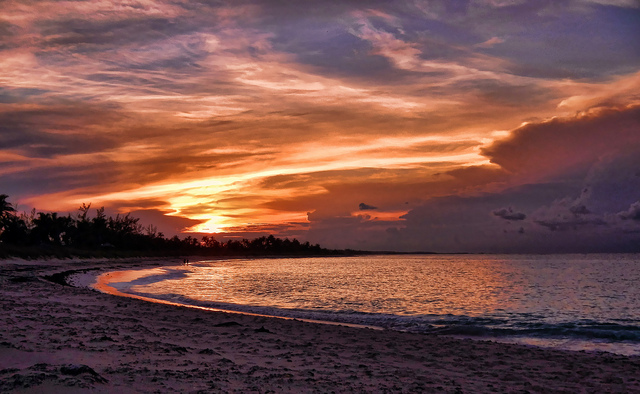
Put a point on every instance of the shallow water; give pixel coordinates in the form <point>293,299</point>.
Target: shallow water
<point>578,302</point>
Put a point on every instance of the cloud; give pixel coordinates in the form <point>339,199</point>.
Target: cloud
<point>48,131</point>
<point>563,145</point>
<point>615,3</point>
<point>563,47</point>
<point>365,207</point>
<point>566,214</point>
<point>633,213</point>
<point>251,115</point>
<point>619,92</point>
<point>455,224</point>
<point>585,193</point>
<point>168,225</point>
<point>509,214</point>
<point>461,224</point>
<point>493,41</point>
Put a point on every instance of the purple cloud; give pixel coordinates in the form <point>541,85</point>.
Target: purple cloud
<point>633,213</point>
<point>508,214</point>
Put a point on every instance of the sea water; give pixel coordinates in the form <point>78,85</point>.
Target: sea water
<point>576,302</point>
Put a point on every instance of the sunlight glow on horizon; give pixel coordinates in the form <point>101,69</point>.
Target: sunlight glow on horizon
<point>284,117</point>
<point>182,196</point>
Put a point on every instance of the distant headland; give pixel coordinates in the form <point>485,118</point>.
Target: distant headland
<point>49,234</point>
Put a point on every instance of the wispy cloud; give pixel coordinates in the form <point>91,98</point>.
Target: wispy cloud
<point>284,116</point>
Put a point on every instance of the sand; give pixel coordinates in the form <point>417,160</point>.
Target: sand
<point>58,338</point>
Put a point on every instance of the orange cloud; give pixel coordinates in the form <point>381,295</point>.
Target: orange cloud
<point>249,118</point>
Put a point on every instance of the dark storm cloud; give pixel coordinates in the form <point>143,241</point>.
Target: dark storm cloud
<point>444,224</point>
<point>594,159</point>
<point>633,213</point>
<point>579,210</point>
<point>569,214</point>
<point>570,223</point>
<point>462,224</point>
<point>459,224</point>
<point>258,112</point>
<point>562,145</point>
<point>509,214</point>
<point>365,207</point>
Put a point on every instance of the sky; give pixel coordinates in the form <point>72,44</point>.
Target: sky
<point>418,125</point>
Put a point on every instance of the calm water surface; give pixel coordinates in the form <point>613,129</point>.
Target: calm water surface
<point>579,302</point>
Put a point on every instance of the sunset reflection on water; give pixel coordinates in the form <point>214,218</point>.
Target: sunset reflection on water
<point>498,287</point>
<point>576,302</point>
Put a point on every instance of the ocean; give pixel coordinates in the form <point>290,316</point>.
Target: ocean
<point>575,302</point>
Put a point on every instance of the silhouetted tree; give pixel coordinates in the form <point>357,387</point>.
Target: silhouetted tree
<point>51,228</point>
<point>124,231</point>
<point>6,213</point>
<point>58,233</point>
<point>14,230</point>
<point>99,226</point>
<point>5,206</point>
<point>210,242</point>
<point>151,231</point>
<point>84,228</point>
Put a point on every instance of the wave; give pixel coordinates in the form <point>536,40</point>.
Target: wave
<point>467,326</point>
<point>593,330</point>
<point>536,314</point>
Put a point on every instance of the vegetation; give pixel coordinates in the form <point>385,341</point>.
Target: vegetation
<point>37,234</point>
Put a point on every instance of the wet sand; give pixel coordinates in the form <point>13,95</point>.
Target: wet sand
<point>59,338</point>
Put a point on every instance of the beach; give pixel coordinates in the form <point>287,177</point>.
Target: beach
<point>55,337</point>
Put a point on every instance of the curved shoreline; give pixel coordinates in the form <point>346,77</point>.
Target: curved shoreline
<point>59,338</point>
<point>104,280</point>
<point>372,321</point>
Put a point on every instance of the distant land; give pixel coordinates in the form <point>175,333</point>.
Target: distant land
<point>49,234</point>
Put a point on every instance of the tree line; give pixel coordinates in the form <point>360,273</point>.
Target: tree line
<point>33,234</point>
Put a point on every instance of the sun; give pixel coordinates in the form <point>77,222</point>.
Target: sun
<point>211,226</point>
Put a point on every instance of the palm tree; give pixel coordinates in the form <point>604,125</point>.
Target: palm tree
<point>5,209</point>
<point>51,228</point>
<point>5,206</point>
<point>12,228</point>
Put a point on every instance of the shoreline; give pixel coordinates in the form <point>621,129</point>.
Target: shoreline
<point>75,339</point>
<point>103,281</point>
<point>445,325</point>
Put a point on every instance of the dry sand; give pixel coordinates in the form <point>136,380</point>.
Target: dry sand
<point>57,338</point>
